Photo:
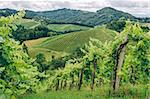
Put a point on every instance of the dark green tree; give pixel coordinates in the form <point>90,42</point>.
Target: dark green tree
<point>42,64</point>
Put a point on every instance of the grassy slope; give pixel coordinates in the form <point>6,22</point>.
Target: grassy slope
<point>70,42</point>
<point>28,23</point>
<point>126,92</point>
<point>34,50</point>
<point>66,27</point>
<point>62,44</point>
<point>71,95</point>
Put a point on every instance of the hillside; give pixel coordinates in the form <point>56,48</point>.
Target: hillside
<point>34,49</point>
<point>27,23</point>
<point>66,27</point>
<point>71,41</point>
<point>102,16</point>
<point>7,12</point>
<point>64,15</point>
<point>68,42</point>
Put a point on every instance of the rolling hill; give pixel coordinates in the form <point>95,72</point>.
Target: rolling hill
<point>28,23</point>
<point>67,43</point>
<point>102,16</point>
<point>7,12</point>
<point>34,49</point>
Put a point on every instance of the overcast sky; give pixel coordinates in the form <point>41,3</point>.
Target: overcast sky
<point>140,8</point>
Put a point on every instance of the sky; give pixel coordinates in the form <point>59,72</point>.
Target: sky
<point>139,8</point>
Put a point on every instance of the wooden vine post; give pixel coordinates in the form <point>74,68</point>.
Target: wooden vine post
<point>61,84</point>
<point>65,84</point>
<point>81,76</point>
<point>57,85</point>
<point>72,82</point>
<point>93,73</point>
<point>120,55</point>
<point>25,48</point>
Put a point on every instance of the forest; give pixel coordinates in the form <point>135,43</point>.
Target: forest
<point>62,60</point>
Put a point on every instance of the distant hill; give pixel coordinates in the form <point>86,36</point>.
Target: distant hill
<point>100,17</point>
<point>64,15</point>
<point>7,12</point>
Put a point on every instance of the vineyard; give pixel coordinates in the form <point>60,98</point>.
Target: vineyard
<point>67,43</point>
<point>116,68</point>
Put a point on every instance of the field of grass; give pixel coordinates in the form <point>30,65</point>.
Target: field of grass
<point>69,42</point>
<point>33,49</point>
<point>28,23</point>
<point>66,27</point>
<point>136,92</point>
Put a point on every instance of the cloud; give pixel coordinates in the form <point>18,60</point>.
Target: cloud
<point>130,3</point>
<point>135,7</point>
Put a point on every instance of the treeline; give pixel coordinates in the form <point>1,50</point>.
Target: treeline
<point>55,63</point>
<point>49,21</point>
<point>7,12</point>
<point>22,33</point>
<point>119,25</point>
<point>144,20</point>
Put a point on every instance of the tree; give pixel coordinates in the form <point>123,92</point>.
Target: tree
<point>130,56</point>
<point>41,60</point>
<point>25,48</point>
<point>95,54</point>
<point>17,75</point>
<point>117,25</point>
<point>57,63</point>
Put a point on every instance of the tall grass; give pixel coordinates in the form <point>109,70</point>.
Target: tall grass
<point>126,92</point>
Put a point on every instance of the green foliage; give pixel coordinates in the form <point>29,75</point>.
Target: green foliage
<point>117,25</point>
<point>57,63</point>
<point>96,50</point>
<point>145,28</point>
<point>40,58</point>
<point>41,62</point>
<point>17,75</point>
<point>137,59</point>
<point>22,34</point>
<point>134,70</point>
<point>136,63</point>
<point>126,92</point>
